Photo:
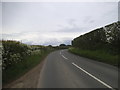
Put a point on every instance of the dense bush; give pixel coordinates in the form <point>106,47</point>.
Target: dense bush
<point>18,58</point>
<point>106,38</point>
<point>102,44</point>
<point>14,52</point>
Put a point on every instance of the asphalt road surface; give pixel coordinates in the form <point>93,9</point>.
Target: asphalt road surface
<point>63,69</point>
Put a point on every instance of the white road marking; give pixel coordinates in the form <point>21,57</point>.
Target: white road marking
<point>93,76</point>
<point>64,57</point>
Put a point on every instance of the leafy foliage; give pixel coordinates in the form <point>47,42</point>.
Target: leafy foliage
<point>14,52</point>
<point>102,44</point>
<point>107,38</point>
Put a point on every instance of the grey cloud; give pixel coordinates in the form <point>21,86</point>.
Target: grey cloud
<point>51,43</point>
<point>73,26</point>
<point>28,42</point>
<point>12,35</point>
<point>9,36</point>
<point>64,20</point>
<point>73,29</point>
<point>67,42</point>
<point>88,19</point>
<point>72,22</point>
<point>57,42</point>
<point>40,40</point>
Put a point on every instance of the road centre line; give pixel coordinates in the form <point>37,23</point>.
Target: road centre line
<point>93,76</point>
<point>89,74</point>
<point>64,57</point>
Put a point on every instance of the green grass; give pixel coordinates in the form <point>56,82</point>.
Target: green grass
<point>19,69</point>
<point>99,55</point>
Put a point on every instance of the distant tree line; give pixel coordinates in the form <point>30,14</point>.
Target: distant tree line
<point>61,46</point>
<point>107,38</point>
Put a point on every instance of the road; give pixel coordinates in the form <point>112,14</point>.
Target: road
<point>63,69</point>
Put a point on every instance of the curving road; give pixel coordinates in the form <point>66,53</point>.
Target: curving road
<point>66,70</point>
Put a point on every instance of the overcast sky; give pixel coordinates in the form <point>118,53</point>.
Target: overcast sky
<point>50,23</point>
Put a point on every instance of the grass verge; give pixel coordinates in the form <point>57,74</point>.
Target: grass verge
<point>99,55</point>
<point>19,69</point>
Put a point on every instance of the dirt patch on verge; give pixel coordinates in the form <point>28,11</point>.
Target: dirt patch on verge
<point>28,80</point>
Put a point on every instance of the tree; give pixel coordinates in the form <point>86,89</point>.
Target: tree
<point>62,45</point>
